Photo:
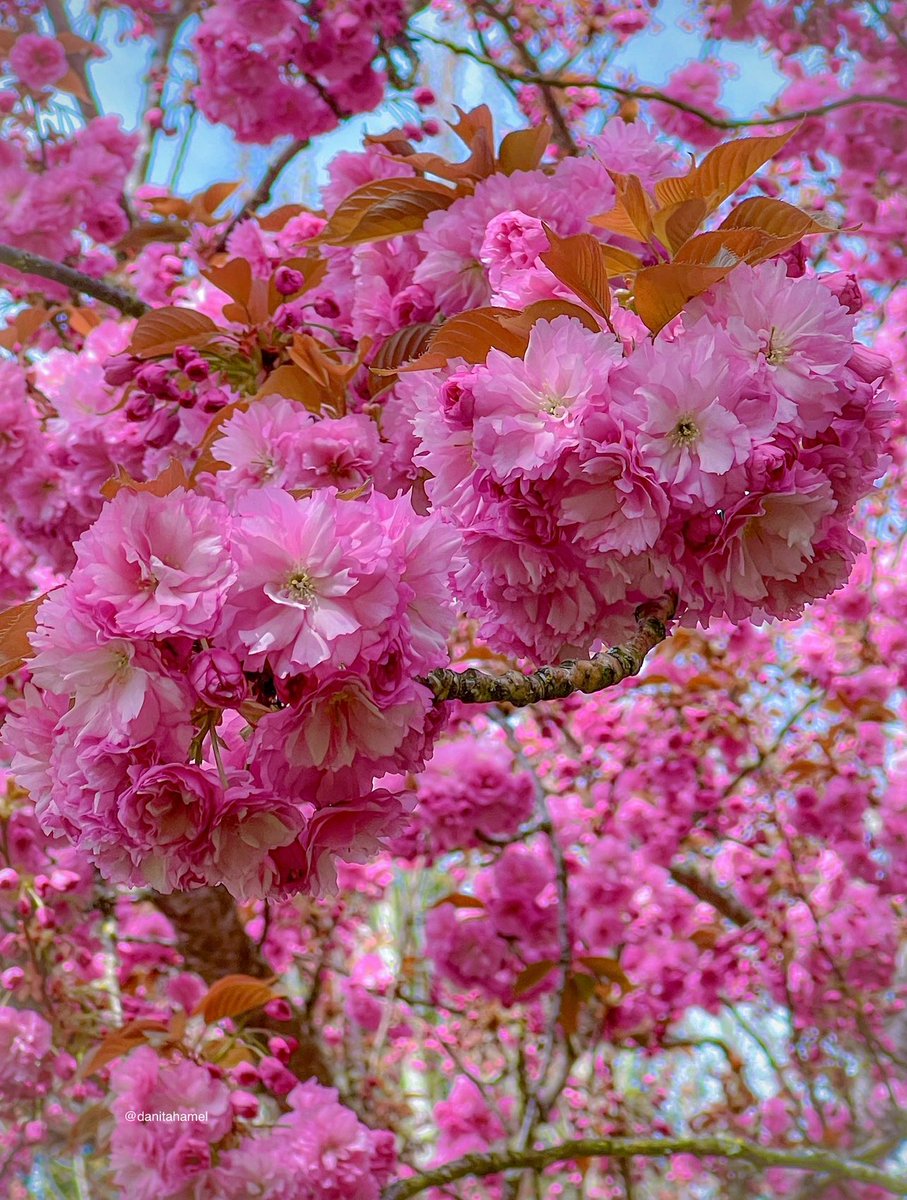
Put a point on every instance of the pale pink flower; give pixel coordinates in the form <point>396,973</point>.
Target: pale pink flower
<point>167,815</point>
<point>250,824</point>
<point>688,436</point>
<point>769,537</point>
<point>310,580</point>
<point>610,500</point>
<point>339,731</point>
<point>259,445</point>
<point>526,410</point>
<point>355,831</point>
<point>155,565</point>
<point>149,1159</point>
<point>792,332</point>
<point>115,683</point>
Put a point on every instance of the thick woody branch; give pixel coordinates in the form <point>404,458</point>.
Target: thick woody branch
<point>554,683</point>
<point>622,1149</point>
<point>33,264</point>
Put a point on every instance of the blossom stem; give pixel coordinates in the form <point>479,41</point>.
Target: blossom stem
<point>555,682</point>
<point>34,264</point>
<point>823,1162</point>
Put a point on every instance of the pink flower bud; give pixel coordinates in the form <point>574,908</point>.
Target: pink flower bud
<point>276,1078</point>
<point>162,428</point>
<point>9,880</point>
<point>120,369</point>
<point>846,288</point>
<point>64,881</point>
<point>245,1075</point>
<point>218,679</point>
<point>279,1010</point>
<point>35,1131</point>
<point>244,1104</point>
<point>868,364</point>
<point>139,406</point>
<point>11,978</point>
<point>287,281</point>
<point>279,1048</point>
<point>327,308</point>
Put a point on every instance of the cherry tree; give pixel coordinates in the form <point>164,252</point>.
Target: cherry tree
<point>454,640</point>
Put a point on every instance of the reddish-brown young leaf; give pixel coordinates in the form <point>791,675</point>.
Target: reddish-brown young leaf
<point>530,977</point>
<point>459,900</point>
<point>673,190</point>
<point>160,331</point>
<point>232,996</point>
<point>661,292</point>
<point>16,624</point>
<point>213,197</point>
<point>547,310</point>
<point>607,968</point>
<point>207,461</point>
<point>677,223</point>
<point>571,1003</point>
<point>477,122</point>
<point>632,213</point>
<point>385,209</point>
<point>172,477</point>
<point>776,218</point>
<point>620,262</point>
<point>402,347</point>
<point>119,1042</point>
<point>524,149</point>
<point>470,335</point>
<point>275,220</point>
<point>725,168</point>
<point>24,325</point>
<point>579,263</point>
<point>722,247</point>
<point>291,381</point>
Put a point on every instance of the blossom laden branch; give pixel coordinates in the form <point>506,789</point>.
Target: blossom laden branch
<point>494,1162</point>
<point>555,682</point>
<point>644,93</point>
<point>34,264</point>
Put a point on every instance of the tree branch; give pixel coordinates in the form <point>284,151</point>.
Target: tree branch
<point>262,193</point>
<point>622,1149</point>
<point>33,264</point>
<point>555,682</point>
<point>88,105</point>
<point>650,93</point>
<point>703,889</point>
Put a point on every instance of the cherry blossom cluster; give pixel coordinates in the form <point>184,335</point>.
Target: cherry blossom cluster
<point>271,68</point>
<point>317,1149</point>
<point>314,616</point>
<point>587,479</point>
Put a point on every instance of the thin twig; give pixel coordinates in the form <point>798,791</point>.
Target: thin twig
<point>262,193</point>
<point>649,93</point>
<point>34,264</point>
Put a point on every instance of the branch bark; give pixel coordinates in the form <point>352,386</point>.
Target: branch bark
<point>555,682</point>
<point>108,293</point>
<point>622,1149</point>
<point>214,943</point>
<point>703,889</point>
